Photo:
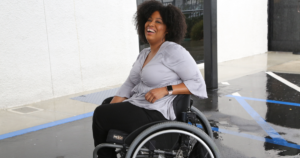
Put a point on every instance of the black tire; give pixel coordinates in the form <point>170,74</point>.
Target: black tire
<point>176,126</point>
<point>205,124</point>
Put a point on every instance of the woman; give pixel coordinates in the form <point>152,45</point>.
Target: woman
<point>157,76</point>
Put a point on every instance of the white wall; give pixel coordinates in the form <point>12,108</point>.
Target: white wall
<point>53,48</point>
<point>242,28</point>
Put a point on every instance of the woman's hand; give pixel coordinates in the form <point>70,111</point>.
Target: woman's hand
<point>117,99</point>
<point>156,94</point>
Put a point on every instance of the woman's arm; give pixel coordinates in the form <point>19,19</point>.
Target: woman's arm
<point>117,99</point>
<point>180,89</point>
<point>125,90</point>
<point>159,93</point>
<point>182,63</point>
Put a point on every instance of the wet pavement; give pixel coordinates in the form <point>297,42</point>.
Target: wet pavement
<point>263,121</point>
<point>254,116</point>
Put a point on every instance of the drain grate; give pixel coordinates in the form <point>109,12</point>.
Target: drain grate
<point>25,110</point>
<point>98,97</point>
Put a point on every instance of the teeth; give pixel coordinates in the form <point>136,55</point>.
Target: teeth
<point>150,30</point>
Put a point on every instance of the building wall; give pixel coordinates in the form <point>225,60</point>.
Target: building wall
<point>53,48</point>
<point>242,28</point>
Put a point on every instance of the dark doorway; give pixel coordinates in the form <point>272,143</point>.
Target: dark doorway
<point>284,25</point>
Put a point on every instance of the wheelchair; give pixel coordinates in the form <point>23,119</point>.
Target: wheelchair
<point>189,136</point>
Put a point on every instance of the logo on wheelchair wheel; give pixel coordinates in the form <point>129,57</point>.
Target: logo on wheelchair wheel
<point>118,137</point>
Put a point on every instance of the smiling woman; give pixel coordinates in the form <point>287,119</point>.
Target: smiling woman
<point>169,15</point>
<point>159,74</point>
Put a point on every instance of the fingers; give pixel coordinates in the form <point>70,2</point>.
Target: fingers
<point>153,100</point>
<point>155,94</point>
<point>150,97</point>
<point>147,96</point>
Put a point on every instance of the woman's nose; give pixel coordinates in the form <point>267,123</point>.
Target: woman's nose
<point>152,23</point>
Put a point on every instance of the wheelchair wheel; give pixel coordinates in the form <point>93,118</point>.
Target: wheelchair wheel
<point>191,139</point>
<point>203,120</point>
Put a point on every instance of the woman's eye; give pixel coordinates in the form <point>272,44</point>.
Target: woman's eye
<point>158,22</point>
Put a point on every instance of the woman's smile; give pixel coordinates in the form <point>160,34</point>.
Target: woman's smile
<point>150,31</point>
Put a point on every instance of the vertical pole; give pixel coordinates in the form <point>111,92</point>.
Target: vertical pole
<point>270,23</point>
<point>210,44</point>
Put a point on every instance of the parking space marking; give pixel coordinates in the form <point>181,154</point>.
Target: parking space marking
<point>288,83</point>
<point>268,101</point>
<point>262,123</point>
<point>47,125</point>
<point>245,135</point>
<point>276,137</point>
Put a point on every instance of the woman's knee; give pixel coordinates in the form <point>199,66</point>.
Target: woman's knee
<point>100,108</point>
<point>101,111</point>
<point>97,112</point>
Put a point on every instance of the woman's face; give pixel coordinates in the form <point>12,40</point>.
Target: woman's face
<point>155,29</point>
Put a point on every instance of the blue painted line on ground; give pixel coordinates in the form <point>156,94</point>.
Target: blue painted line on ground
<point>265,100</point>
<point>273,141</point>
<point>47,125</point>
<point>262,123</point>
<point>71,119</point>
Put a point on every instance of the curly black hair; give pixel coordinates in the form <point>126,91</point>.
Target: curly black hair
<point>171,16</point>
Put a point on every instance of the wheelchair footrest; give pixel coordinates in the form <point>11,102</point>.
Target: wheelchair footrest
<point>116,136</point>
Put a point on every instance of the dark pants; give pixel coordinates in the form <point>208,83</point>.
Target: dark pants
<point>120,116</point>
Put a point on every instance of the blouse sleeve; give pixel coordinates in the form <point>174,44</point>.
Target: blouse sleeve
<point>132,80</point>
<point>125,89</point>
<point>181,62</point>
